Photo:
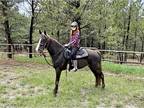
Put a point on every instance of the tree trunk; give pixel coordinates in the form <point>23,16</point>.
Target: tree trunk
<point>127,33</point>
<point>104,45</point>
<point>58,35</point>
<point>99,35</point>
<point>85,41</point>
<point>99,45</point>
<point>30,38</point>
<point>135,42</point>
<point>142,49</point>
<point>8,37</point>
<point>134,47</point>
<point>92,42</point>
<point>31,30</point>
<point>121,55</point>
<point>124,35</point>
<point>7,28</point>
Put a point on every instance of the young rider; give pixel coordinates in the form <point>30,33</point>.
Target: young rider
<point>74,43</point>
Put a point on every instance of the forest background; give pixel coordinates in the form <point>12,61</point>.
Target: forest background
<point>104,24</point>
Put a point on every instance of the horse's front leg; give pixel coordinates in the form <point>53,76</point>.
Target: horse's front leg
<point>58,73</point>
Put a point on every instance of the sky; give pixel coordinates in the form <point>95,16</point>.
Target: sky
<point>23,8</point>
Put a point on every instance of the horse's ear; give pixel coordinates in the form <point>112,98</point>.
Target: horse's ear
<point>45,32</point>
<point>40,32</point>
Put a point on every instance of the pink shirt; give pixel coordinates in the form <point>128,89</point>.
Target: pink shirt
<point>75,39</point>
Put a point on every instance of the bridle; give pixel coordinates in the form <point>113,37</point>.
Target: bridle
<point>46,45</point>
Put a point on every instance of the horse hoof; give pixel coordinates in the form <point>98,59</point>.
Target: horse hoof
<point>55,93</point>
<point>96,86</point>
<point>103,86</point>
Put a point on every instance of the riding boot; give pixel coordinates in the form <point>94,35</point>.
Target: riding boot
<point>75,65</point>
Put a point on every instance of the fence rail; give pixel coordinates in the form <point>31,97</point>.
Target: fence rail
<point>133,57</point>
<point>16,44</point>
<point>131,52</point>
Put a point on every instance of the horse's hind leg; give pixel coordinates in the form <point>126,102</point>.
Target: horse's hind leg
<point>96,74</point>
<point>102,77</point>
<point>97,71</point>
<point>98,80</point>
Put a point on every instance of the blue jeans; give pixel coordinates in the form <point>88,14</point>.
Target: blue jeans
<point>73,52</point>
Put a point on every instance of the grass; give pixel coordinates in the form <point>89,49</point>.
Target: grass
<point>34,83</point>
<point>77,90</point>
<point>37,59</point>
<point>2,89</point>
<point>124,68</point>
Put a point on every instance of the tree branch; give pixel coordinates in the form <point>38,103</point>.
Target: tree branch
<point>85,26</point>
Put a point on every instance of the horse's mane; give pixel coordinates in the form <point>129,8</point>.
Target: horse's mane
<point>54,46</point>
<point>55,41</point>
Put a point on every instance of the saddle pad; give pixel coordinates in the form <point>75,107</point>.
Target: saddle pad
<point>81,53</point>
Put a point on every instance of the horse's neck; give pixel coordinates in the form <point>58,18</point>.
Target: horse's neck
<point>54,48</point>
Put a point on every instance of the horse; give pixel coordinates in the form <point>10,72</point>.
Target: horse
<point>56,51</point>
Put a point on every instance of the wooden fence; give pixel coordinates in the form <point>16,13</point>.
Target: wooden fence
<point>123,56</point>
<point>107,55</point>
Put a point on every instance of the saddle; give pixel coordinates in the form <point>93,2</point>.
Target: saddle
<point>81,53</point>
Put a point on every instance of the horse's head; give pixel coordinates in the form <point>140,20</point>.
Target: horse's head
<point>43,41</point>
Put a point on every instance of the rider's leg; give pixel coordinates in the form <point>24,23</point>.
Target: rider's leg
<point>75,65</point>
<point>73,57</point>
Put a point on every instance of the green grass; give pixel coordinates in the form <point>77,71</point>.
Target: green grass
<point>123,68</point>
<point>77,90</point>
<point>37,59</point>
<point>34,88</point>
<point>2,89</point>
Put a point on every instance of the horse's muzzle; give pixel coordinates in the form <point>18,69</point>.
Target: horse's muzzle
<point>40,52</point>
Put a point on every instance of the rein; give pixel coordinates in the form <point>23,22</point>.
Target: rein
<point>46,60</point>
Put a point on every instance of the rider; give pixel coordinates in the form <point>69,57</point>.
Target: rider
<point>74,43</point>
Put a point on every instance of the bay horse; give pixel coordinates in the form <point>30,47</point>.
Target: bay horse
<point>56,50</point>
